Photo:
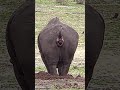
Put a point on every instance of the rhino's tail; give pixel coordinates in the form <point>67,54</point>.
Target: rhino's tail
<point>60,40</point>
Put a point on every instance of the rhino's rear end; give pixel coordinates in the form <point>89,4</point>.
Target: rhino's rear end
<point>57,45</point>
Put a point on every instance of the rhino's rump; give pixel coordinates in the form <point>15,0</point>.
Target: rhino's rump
<point>48,46</point>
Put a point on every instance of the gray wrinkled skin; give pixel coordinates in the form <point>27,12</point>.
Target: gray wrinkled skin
<point>53,56</point>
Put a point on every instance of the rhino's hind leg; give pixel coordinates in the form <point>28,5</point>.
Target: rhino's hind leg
<point>63,69</point>
<point>63,66</point>
<point>60,67</point>
<point>52,69</point>
<point>45,62</point>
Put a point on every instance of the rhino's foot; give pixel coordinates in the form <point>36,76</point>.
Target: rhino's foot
<point>52,70</point>
<point>63,69</point>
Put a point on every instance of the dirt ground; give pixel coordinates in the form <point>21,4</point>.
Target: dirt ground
<point>45,80</point>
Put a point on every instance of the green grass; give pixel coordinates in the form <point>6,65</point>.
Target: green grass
<point>74,70</point>
<point>53,2</point>
<point>41,68</point>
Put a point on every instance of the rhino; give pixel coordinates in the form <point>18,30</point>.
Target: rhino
<point>20,44</point>
<point>57,44</point>
<point>94,36</point>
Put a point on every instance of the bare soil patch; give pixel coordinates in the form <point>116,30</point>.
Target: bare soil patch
<point>45,80</point>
